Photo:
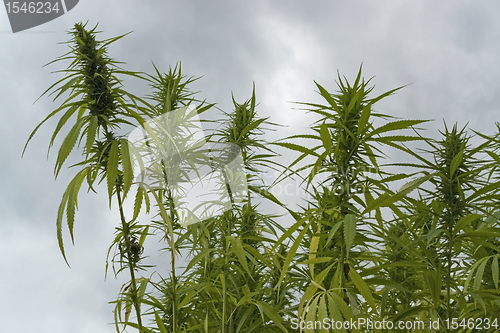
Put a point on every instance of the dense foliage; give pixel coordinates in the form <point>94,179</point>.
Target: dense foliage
<point>356,250</point>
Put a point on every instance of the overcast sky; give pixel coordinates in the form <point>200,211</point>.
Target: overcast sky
<point>447,51</point>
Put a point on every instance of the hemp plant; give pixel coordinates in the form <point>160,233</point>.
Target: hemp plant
<point>230,277</point>
<point>99,107</point>
<point>334,230</point>
<point>452,229</point>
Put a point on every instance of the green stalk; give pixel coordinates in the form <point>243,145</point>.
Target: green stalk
<point>175,308</point>
<point>131,264</point>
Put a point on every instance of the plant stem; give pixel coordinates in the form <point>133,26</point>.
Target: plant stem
<point>131,264</point>
<point>175,308</point>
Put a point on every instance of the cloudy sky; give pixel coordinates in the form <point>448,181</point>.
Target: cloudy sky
<point>447,52</point>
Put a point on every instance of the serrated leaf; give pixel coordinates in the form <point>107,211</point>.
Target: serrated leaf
<point>91,133</point>
<point>71,190</point>
<point>484,190</point>
<point>322,312</point>
<point>413,184</point>
<point>433,233</point>
<point>455,162</point>
<point>240,252</point>
<point>293,250</point>
<point>466,220</point>
<point>362,287</point>
<point>396,138</point>
<point>250,127</point>
<point>334,230</point>
<point>271,313</point>
<point>494,270</point>
<point>68,144</point>
<point>349,230</point>
<point>311,313</point>
<point>479,275</point>
<point>160,324</point>
<point>395,125</point>
<point>433,281</point>
<point>144,234</point>
<point>363,119</point>
<point>128,170</point>
<point>313,248</point>
<point>62,121</point>
<point>112,168</point>
<point>297,147</point>
<point>169,231</point>
<point>328,97</point>
<point>472,269</point>
<point>325,137</point>
<point>138,202</point>
<point>72,203</point>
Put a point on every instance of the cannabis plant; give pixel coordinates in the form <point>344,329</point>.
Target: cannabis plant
<point>334,229</point>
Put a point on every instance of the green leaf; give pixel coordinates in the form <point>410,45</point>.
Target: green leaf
<point>296,147</point>
<point>250,127</point>
<point>68,144</point>
<point>169,231</point>
<point>479,275</point>
<point>472,269</point>
<point>322,311</point>
<point>484,190</point>
<point>328,97</point>
<point>62,121</point>
<point>362,287</point>
<point>313,248</point>
<point>325,137</point>
<point>465,221</point>
<point>311,313</point>
<point>112,168</point>
<point>494,156</point>
<point>433,233</point>
<point>240,252</point>
<point>455,162</point>
<point>72,204</point>
<point>91,133</point>
<point>160,324</point>
<point>333,231</point>
<point>494,270</point>
<point>271,313</point>
<point>71,190</point>
<point>293,250</point>
<point>349,230</point>
<point>144,234</point>
<point>363,119</point>
<point>128,171</point>
<point>396,138</point>
<point>395,125</point>
<point>139,196</point>
<point>433,280</point>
